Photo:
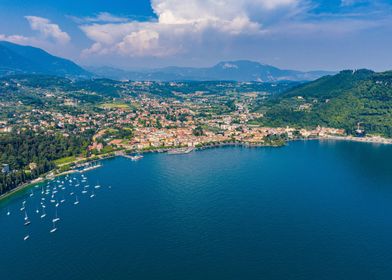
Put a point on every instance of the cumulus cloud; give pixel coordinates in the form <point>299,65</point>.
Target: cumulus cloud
<point>48,29</point>
<point>49,34</point>
<point>179,23</point>
<point>17,39</point>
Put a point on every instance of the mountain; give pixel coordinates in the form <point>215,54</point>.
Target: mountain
<point>345,100</point>
<point>331,85</point>
<point>242,70</point>
<point>17,59</point>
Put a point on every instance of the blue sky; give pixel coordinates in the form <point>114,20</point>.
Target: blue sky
<point>295,34</point>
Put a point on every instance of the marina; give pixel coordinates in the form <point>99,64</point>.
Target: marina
<point>234,206</point>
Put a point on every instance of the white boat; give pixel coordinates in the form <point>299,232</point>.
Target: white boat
<point>8,212</point>
<point>54,228</point>
<point>43,213</point>
<point>97,186</point>
<point>92,194</point>
<point>56,219</point>
<point>26,223</point>
<point>26,237</point>
<point>77,201</point>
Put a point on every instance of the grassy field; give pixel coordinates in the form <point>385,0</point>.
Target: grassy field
<point>117,105</point>
<point>63,161</point>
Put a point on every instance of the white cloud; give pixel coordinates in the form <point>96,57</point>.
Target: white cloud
<point>180,23</point>
<point>49,36</point>
<point>47,29</point>
<point>17,39</point>
<point>99,18</point>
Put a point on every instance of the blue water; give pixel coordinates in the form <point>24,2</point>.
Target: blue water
<point>311,210</point>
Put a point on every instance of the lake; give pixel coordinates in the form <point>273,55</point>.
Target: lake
<point>310,210</point>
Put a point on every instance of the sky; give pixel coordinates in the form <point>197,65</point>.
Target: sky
<point>132,34</point>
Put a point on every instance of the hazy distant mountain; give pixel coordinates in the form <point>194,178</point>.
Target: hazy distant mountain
<point>17,59</point>
<point>242,70</point>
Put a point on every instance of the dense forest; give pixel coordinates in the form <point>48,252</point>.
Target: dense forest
<point>347,100</point>
<point>30,154</point>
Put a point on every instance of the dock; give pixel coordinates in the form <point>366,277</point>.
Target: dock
<point>180,151</point>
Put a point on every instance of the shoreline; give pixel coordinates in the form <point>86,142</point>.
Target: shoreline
<point>43,178</point>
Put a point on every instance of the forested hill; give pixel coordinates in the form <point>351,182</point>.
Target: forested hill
<point>343,101</point>
<point>18,59</point>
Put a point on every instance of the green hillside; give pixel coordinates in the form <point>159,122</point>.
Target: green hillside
<point>340,101</point>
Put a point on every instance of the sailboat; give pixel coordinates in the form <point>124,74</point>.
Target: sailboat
<point>77,201</point>
<point>27,221</point>
<point>54,228</point>
<point>56,218</point>
<point>23,206</point>
<point>43,212</point>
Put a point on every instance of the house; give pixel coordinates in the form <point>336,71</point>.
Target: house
<point>5,168</point>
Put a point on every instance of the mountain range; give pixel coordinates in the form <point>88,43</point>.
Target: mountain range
<point>241,70</point>
<point>17,59</point>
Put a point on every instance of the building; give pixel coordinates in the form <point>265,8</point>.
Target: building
<point>5,168</point>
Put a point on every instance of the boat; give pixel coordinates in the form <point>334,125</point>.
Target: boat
<point>43,213</point>
<point>54,229</point>
<point>56,219</point>
<point>27,222</point>
<point>26,237</point>
<point>8,212</point>
<point>77,201</point>
<point>92,194</point>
